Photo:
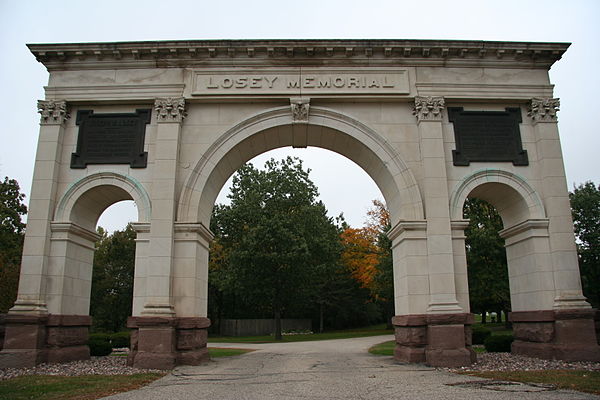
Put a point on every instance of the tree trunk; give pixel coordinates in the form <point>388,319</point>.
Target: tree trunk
<point>321,318</point>
<point>483,317</point>
<point>499,316</point>
<point>277,322</point>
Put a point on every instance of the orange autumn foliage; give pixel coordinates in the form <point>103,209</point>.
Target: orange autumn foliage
<point>361,252</point>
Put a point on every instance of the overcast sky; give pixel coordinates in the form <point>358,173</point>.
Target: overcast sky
<point>343,186</point>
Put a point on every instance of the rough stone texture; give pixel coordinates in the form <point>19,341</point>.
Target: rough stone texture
<point>31,340</point>
<point>24,341</point>
<point>411,336</point>
<point>163,343</point>
<point>409,354</point>
<point>445,337</point>
<point>440,340</point>
<point>568,335</point>
<point>597,325</point>
<point>2,330</point>
<point>542,332</point>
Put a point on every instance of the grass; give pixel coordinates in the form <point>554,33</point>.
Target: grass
<point>345,334</point>
<point>85,387</point>
<point>383,349</point>
<point>582,381</point>
<point>226,352</point>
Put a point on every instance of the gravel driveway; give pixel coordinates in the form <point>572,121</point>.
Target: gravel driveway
<point>333,369</point>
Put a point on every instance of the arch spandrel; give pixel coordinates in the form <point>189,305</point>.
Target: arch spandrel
<point>326,129</point>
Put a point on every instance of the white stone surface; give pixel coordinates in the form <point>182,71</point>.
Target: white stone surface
<point>191,155</point>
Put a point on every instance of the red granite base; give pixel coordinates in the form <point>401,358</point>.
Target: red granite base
<point>568,335</point>
<point>439,340</point>
<point>32,340</point>
<point>164,342</point>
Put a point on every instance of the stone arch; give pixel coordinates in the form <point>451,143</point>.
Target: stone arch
<point>513,197</point>
<point>525,233</point>
<point>275,128</point>
<point>85,200</point>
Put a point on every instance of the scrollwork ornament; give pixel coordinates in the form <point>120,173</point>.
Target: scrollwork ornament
<point>300,108</point>
<point>53,112</point>
<point>543,109</point>
<point>170,109</point>
<point>429,108</point>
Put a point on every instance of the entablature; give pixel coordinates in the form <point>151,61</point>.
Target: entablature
<point>383,52</point>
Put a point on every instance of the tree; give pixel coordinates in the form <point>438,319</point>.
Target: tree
<point>112,279</point>
<point>486,259</point>
<point>360,254</point>
<point>12,232</point>
<point>277,238</point>
<point>585,208</point>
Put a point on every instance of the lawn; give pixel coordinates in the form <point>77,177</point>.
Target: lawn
<point>226,352</point>
<point>346,334</point>
<point>582,381</point>
<point>85,387</point>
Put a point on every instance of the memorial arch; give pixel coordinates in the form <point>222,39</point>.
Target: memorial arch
<point>166,123</point>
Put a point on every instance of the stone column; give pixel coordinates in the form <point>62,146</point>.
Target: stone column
<point>555,321</point>
<point>428,111</point>
<point>155,334</point>
<point>142,230</point>
<point>435,331</point>
<point>461,279</point>
<point>42,203</point>
<point>411,289</point>
<point>555,195</point>
<point>25,336</point>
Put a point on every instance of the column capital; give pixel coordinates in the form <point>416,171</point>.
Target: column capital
<point>300,108</point>
<point>53,112</point>
<point>543,109</point>
<point>170,109</point>
<point>429,108</point>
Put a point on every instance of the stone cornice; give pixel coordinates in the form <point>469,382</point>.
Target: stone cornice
<point>166,54</point>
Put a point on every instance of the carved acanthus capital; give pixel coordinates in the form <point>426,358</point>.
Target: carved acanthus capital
<point>543,109</point>
<point>429,108</point>
<point>300,109</point>
<point>170,109</point>
<point>53,112</point>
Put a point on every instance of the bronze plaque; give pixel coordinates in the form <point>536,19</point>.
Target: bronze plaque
<point>111,139</point>
<point>487,136</point>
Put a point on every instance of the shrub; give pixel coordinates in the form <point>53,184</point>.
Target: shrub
<point>480,333</point>
<point>99,346</point>
<point>498,344</point>
<point>100,336</point>
<point>120,339</point>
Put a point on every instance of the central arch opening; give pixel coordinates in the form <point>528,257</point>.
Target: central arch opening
<point>346,292</point>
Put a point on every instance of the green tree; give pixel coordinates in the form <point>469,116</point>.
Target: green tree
<point>585,207</point>
<point>486,259</point>
<point>277,239</point>
<point>112,279</point>
<point>12,232</point>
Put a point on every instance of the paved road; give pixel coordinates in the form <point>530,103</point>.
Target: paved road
<point>334,369</point>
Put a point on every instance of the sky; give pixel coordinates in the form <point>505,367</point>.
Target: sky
<point>344,187</point>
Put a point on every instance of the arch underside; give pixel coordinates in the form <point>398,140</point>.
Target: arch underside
<point>85,201</point>
<point>515,200</point>
<point>326,129</point>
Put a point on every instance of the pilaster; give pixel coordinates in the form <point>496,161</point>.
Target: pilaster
<point>36,249</point>
<point>555,196</point>
<point>429,113</point>
<point>170,113</point>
